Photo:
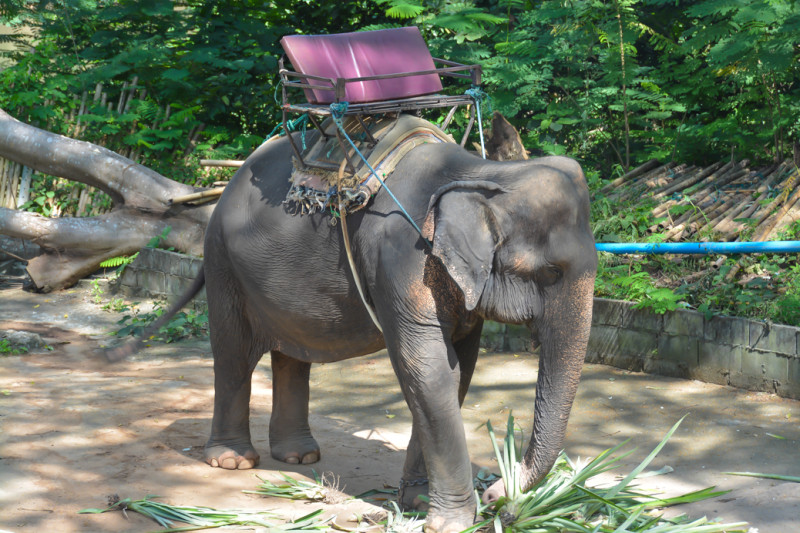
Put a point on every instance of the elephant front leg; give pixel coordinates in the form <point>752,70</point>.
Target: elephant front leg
<point>290,437</point>
<point>414,484</point>
<point>430,380</point>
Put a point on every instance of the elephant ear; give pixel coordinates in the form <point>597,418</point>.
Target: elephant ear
<point>463,228</point>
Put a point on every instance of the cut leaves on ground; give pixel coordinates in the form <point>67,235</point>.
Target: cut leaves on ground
<point>567,500</point>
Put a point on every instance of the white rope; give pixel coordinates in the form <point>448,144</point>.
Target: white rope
<point>346,237</point>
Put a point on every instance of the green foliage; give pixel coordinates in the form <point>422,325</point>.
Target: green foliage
<point>118,261</point>
<point>182,325</point>
<point>629,282</point>
<point>205,71</point>
<point>6,348</point>
<point>607,82</point>
<point>97,291</point>
<point>615,222</point>
<point>770,289</point>
<point>116,305</point>
<point>566,500</point>
<point>613,82</point>
<point>121,262</point>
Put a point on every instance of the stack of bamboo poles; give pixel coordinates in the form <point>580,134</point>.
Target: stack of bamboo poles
<point>10,176</point>
<point>15,183</point>
<point>718,202</point>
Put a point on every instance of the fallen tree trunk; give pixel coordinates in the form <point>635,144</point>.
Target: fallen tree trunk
<point>73,247</point>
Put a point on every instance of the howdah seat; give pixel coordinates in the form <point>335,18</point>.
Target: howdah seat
<point>366,73</point>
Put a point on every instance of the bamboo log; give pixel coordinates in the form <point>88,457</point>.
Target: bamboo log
<point>636,186</point>
<point>12,185</point>
<point>723,176</point>
<point>722,225</point>
<point>131,93</point>
<point>684,181</point>
<point>791,216</point>
<point>728,227</point>
<point>705,207</point>
<point>641,169</point>
<point>663,208</point>
<point>760,233</point>
<point>763,213</point>
<point>711,173</point>
<point>121,102</point>
<point>211,193</point>
<point>3,165</point>
<point>711,188</point>
<point>700,218</point>
<point>735,204</point>
<point>766,228</point>
<point>13,256</point>
<point>84,196</point>
<point>633,182</point>
<point>661,181</point>
<point>220,163</point>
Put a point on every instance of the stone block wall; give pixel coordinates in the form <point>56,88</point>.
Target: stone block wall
<point>740,352</point>
<point>161,274</point>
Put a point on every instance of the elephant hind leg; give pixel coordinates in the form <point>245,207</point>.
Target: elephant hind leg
<point>290,438</point>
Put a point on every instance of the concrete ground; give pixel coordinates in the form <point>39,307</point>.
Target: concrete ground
<point>74,430</point>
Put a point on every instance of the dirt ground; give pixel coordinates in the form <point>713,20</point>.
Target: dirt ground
<point>74,430</point>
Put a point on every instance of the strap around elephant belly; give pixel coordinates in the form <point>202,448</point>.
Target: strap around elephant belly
<point>349,251</point>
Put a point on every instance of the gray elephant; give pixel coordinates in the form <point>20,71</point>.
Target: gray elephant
<point>510,242</point>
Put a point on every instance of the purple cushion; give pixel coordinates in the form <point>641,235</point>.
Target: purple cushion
<point>361,54</point>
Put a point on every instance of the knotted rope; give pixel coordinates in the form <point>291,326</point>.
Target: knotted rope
<point>291,125</point>
<point>337,112</point>
<point>478,95</point>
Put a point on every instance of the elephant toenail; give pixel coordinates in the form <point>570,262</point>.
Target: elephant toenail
<point>229,463</point>
<point>292,460</point>
<point>245,464</point>
<point>214,462</point>
<point>310,458</point>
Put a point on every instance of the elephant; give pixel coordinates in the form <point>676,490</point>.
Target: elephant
<point>502,241</point>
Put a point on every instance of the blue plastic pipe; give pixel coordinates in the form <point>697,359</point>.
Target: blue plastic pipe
<point>704,248</point>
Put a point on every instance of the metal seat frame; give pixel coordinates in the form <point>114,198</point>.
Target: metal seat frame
<point>295,80</point>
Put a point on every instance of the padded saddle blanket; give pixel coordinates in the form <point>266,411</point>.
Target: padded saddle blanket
<point>314,189</point>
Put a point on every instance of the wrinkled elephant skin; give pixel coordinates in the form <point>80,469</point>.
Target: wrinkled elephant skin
<point>510,242</point>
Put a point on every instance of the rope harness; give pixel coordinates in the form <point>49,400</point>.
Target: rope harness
<point>337,112</point>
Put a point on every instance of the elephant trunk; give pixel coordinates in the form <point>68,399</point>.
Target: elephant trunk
<point>564,336</point>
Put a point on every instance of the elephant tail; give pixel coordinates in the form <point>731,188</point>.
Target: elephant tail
<point>129,348</point>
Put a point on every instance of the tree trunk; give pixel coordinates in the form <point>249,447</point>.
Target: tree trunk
<point>75,246</point>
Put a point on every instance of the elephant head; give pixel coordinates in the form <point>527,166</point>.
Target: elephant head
<point>521,250</point>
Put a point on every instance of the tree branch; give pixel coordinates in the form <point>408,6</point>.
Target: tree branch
<point>124,180</point>
<point>73,247</point>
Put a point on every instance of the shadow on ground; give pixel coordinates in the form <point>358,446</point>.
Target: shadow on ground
<point>74,430</point>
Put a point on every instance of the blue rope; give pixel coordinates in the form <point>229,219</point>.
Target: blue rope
<point>292,125</point>
<point>337,112</point>
<point>477,94</point>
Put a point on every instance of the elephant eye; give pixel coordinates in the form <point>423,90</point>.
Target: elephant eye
<point>548,275</point>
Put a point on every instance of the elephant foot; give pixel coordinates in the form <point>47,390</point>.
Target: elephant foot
<point>300,451</point>
<point>412,495</point>
<point>441,523</point>
<point>232,457</point>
